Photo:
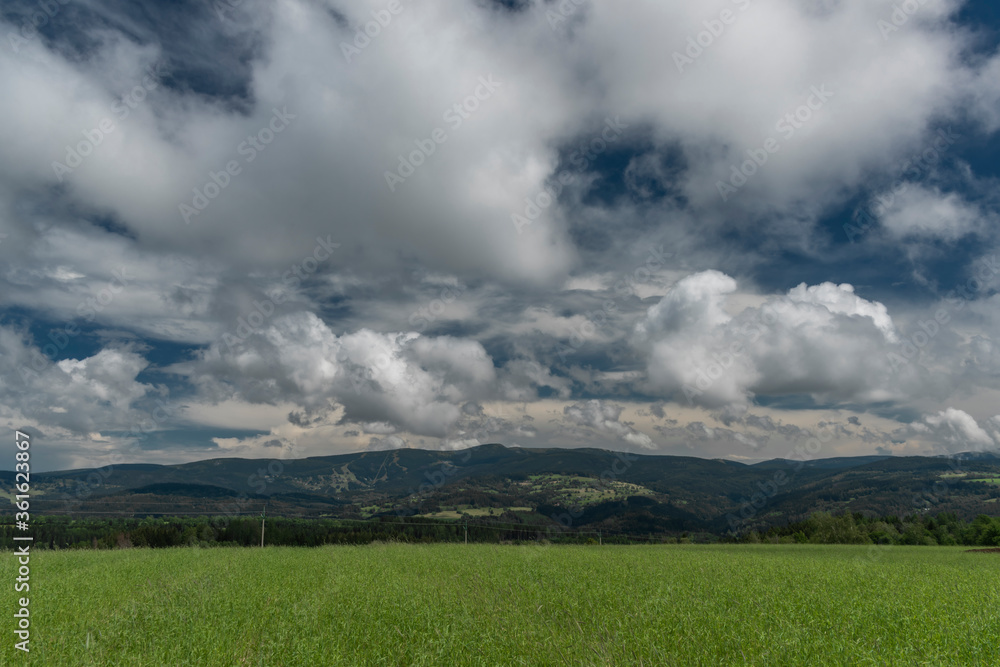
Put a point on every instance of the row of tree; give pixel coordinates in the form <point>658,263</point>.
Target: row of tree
<point>94,533</point>
<point>944,529</point>
<point>819,528</point>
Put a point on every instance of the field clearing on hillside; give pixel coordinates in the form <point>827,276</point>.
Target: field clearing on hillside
<point>448,604</point>
<point>578,490</point>
<point>473,511</point>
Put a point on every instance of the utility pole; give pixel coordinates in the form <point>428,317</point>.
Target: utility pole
<point>263,514</point>
<point>600,542</point>
<point>466,531</point>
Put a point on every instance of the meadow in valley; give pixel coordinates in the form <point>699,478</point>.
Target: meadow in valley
<point>456,604</point>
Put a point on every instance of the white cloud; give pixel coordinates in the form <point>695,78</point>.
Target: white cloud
<point>386,382</point>
<point>79,396</point>
<point>884,91</point>
<point>959,432</point>
<point>822,340</point>
<point>994,425</point>
<point>353,121</point>
<point>929,213</point>
<point>345,346</point>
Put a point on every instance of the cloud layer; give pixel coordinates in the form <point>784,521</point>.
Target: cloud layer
<point>652,226</point>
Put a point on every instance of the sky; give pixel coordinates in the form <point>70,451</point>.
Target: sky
<point>740,229</point>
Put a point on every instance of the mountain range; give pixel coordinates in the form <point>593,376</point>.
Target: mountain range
<point>575,488</point>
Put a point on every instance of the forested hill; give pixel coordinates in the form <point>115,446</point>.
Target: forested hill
<point>578,487</point>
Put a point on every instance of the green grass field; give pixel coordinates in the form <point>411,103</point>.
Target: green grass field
<point>508,605</point>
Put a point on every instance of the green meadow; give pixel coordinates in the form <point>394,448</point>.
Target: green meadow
<point>453,604</point>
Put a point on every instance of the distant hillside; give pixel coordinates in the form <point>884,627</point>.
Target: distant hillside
<point>571,487</point>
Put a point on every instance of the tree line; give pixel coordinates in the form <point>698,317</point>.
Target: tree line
<point>944,529</point>
<point>158,532</point>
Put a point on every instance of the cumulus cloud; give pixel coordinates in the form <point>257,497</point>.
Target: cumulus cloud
<point>821,340</point>
<point>406,380</point>
<point>79,396</point>
<point>958,431</point>
<point>994,426</point>
<point>383,382</point>
<point>86,408</point>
